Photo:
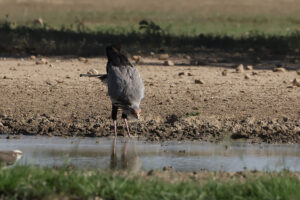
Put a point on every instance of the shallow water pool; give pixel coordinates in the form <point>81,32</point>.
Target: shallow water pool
<point>134,155</point>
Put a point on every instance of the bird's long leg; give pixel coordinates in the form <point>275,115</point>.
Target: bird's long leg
<point>114,113</point>
<point>124,117</point>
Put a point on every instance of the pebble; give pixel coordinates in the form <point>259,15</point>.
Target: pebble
<point>180,73</point>
<point>279,69</point>
<point>41,61</point>
<point>247,76</point>
<point>169,100</point>
<point>240,68</point>
<point>187,57</point>
<point>51,65</point>
<point>48,83</point>
<point>39,21</point>
<point>92,71</point>
<point>6,77</point>
<point>59,81</point>
<point>152,53</point>
<point>32,57</point>
<point>140,60</point>
<point>249,67</point>
<point>168,168</point>
<point>298,71</point>
<point>136,57</point>
<point>224,73</point>
<point>82,59</point>
<point>169,63</point>
<point>173,85</point>
<point>254,73</point>
<point>150,172</point>
<point>164,56</point>
<point>68,76</point>
<point>198,81</point>
<point>9,137</point>
<point>296,82</point>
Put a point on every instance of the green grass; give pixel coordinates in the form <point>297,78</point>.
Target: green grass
<point>229,25</point>
<point>186,22</point>
<point>79,28</point>
<point>38,183</point>
<point>81,40</point>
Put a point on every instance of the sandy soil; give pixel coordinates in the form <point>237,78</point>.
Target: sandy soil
<point>51,99</point>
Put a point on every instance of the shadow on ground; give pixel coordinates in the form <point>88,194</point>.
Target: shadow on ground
<point>209,49</point>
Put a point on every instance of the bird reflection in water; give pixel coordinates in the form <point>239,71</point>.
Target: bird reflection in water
<point>129,160</point>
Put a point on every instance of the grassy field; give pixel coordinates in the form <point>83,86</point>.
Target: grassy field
<point>38,183</point>
<point>231,17</point>
<point>85,27</point>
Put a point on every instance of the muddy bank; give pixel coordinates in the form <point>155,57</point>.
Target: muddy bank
<point>182,102</point>
<point>180,128</point>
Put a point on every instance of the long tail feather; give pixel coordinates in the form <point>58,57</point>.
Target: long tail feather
<point>102,77</point>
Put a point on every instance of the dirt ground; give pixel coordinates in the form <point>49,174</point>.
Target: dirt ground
<point>51,99</point>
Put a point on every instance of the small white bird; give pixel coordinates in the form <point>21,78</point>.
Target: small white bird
<point>9,157</point>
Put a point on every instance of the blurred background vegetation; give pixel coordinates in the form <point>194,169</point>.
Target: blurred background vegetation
<point>60,27</point>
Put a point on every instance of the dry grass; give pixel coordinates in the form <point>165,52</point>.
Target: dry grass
<point>93,24</point>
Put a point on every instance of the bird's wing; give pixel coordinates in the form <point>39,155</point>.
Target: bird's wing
<point>125,85</point>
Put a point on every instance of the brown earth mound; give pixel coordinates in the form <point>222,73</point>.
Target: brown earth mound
<point>182,102</point>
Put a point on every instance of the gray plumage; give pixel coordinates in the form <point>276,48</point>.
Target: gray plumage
<point>125,86</point>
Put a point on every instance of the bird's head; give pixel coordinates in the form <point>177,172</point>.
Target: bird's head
<point>18,154</point>
<point>132,112</point>
<point>115,56</point>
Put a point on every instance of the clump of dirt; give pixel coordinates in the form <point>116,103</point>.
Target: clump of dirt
<point>43,100</point>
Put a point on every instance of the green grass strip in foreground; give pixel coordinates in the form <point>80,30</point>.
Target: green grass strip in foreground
<point>38,183</point>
